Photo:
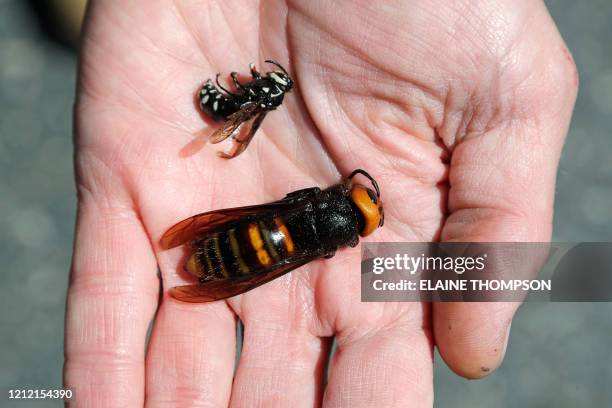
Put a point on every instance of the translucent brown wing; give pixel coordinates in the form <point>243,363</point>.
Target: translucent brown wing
<point>197,143</point>
<point>225,288</point>
<point>233,122</point>
<point>213,221</point>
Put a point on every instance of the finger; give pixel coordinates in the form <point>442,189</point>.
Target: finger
<point>282,362</point>
<point>502,189</point>
<point>111,299</point>
<point>392,367</point>
<point>191,355</point>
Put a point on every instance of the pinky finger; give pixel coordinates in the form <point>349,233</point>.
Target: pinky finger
<point>112,297</point>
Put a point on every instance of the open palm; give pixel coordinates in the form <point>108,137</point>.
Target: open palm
<point>458,109</point>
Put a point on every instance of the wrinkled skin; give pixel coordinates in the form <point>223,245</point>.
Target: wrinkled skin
<point>458,108</point>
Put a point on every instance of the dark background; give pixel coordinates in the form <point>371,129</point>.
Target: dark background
<point>558,354</point>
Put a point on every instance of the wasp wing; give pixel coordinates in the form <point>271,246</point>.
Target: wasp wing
<point>214,221</point>
<point>233,122</point>
<point>196,144</point>
<point>225,288</point>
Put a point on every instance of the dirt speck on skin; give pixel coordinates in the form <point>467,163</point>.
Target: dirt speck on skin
<point>485,369</point>
<point>570,59</point>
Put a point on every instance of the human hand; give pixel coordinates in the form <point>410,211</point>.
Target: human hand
<point>458,109</point>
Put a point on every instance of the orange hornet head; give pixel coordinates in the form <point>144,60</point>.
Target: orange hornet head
<point>368,203</point>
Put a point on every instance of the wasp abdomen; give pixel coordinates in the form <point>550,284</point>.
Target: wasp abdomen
<point>243,250</point>
<point>216,104</point>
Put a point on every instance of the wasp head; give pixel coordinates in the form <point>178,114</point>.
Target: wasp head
<point>281,78</point>
<point>367,202</point>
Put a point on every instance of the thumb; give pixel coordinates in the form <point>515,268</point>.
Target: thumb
<point>502,189</point>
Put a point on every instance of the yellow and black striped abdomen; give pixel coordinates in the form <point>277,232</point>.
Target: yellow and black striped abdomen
<point>245,249</point>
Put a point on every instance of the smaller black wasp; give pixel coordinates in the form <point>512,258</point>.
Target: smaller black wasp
<point>251,101</point>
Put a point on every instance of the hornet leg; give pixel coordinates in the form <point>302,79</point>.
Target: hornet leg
<point>303,193</point>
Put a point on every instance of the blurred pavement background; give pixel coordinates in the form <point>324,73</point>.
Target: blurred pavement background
<point>558,354</point>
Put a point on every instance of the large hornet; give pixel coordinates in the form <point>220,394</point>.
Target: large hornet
<point>237,249</point>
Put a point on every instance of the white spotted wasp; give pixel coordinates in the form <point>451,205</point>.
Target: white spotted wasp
<point>250,102</point>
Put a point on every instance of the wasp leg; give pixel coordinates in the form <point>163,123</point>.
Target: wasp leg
<point>237,148</point>
<point>222,88</point>
<point>305,192</point>
<point>329,255</point>
<point>254,72</point>
<point>241,144</point>
<point>354,242</point>
<point>237,83</point>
